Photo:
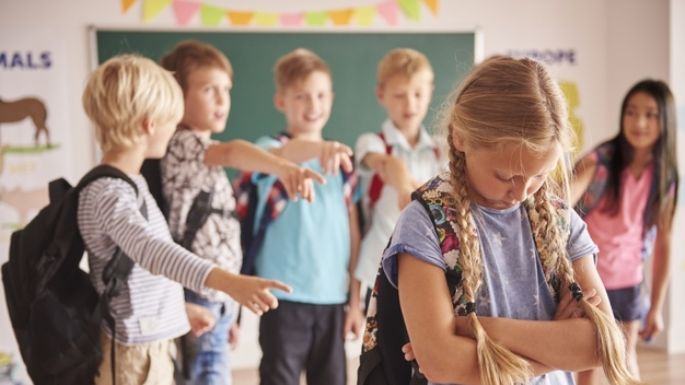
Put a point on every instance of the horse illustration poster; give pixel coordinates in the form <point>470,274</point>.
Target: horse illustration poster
<point>34,128</point>
<point>34,135</point>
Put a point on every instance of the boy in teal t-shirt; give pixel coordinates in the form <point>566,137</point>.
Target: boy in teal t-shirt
<point>312,246</point>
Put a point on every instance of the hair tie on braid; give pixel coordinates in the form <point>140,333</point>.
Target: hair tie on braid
<point>576,291</point>
<point>469,307</point>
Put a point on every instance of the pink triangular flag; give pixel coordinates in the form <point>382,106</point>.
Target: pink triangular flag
<point>292,19</point>
<point>388,10</point>
<point>184,11</point>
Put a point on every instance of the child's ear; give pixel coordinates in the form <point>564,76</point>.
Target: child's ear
<point>278,101</point>
<point>457,141</point>
<point>148,126</point>
<point>380,93</point>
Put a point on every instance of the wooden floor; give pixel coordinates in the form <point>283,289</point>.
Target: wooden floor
<point>657,368</point>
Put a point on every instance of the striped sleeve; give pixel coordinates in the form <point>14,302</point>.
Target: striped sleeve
<point>118,214</point>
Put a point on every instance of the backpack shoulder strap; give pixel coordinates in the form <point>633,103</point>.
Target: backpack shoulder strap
<point>436,197</point>
<point>595,190</point>
<point>376,185</point>
<point>104,171</point>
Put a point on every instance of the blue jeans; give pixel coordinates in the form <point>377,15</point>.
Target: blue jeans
<point>210,364</point>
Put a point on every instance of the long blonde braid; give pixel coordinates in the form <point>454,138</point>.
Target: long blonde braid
<point>498,365</point>
<point>551,245</point>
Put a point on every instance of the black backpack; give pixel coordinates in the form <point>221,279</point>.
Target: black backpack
<point>384,364</point>
<point>55,311</point>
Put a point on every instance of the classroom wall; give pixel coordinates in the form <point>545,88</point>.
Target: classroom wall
<point>612,44</point>
<point>675,339</point>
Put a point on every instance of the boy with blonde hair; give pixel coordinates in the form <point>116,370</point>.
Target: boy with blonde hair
<point>394,162</point>
<point>193,165</point>
<point>313,246</point>
<point>135,106</point>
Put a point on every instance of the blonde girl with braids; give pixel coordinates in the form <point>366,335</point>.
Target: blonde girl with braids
<point>530,306</point>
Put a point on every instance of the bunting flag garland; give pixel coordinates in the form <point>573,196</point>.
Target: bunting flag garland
<point>240,18</point>
<point>184,11</point>
<point>364,16</point>
<point>152,8</point>
<point>341,17</point>
<point>126,4</point>
<point>432,5</point>
<point>389,12</point>
<point>211,16</point>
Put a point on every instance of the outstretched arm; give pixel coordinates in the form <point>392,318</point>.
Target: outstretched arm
<point>245,156</point>
<point>331,154</point>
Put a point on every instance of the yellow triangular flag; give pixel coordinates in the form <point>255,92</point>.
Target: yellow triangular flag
<point>152,8</point>
<point>126,4</point>
<point>265,19</point>
<point>364,15</point>
<point>432,5</point>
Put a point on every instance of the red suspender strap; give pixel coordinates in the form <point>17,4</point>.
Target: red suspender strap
<point>376,185</point>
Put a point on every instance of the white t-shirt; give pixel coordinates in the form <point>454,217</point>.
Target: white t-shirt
<point>423,161</point>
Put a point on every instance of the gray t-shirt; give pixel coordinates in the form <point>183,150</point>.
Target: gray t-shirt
<point>513,279</point>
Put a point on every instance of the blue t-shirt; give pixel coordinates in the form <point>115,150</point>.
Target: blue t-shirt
<point>513,279</point>
<point>308,245</point>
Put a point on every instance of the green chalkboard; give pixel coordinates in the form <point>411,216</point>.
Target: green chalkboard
<point>352,56</point>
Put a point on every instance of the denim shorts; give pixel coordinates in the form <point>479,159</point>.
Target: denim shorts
<point>628,304</point>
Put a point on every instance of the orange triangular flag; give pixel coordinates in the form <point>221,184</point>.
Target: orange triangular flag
<point>126,4</point>
<point>432,5</point>
<point>341,17</point>
<point>240,18</point>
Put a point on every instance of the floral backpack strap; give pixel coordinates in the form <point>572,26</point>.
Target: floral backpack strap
<point>595,190</point>
<point>436,197</point>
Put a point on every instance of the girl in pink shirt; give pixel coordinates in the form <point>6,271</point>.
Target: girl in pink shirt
<point>626,190</point>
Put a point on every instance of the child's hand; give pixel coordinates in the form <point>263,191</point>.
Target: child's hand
<point>335,155</point>
<point>354,321</point>
<point>254,294</point>
<point>654,324</point>
<point>298,181</point>
<point>394,172</point>
<point>200,318</point>
<point>570,308</point>
<point>233,335</point>
<point>408,352</point>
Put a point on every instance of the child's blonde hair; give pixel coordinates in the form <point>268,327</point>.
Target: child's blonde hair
<point>189,55</point>
<point>505,100</point>
<point>124,91</point>
<point>405,62</point>
<point>295,66</point>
